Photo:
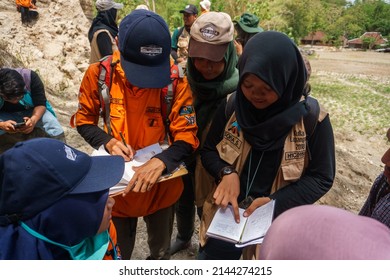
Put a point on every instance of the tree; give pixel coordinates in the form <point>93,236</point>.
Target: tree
<point>295,18</point>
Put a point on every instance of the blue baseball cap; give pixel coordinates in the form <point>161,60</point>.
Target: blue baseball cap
<point>145,46</point>
<point>36,173</point>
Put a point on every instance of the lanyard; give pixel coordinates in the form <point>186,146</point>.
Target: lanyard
<point>249,186</point>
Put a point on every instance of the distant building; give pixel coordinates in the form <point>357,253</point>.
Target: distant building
<point>314,38</point>
<point>319,38</point>
<point>369,40</point>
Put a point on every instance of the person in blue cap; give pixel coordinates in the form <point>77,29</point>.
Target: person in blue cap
<point>141,74</point>
<point>181,36</point>
<point>54,201</point>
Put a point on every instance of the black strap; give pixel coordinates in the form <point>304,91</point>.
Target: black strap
<point>180,31</point>
<point>104,90</point>
<point>311,119</point>
<point>229,109</point>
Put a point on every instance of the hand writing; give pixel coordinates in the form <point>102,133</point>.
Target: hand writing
<point>116,147</point>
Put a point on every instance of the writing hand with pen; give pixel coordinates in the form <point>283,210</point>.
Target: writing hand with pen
<point>120,148</point>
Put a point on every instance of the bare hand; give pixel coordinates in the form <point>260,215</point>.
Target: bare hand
<point>8,126</point>
<point>238,47</point>
<point>260,201</point>
<point>145,176</point>
<point>28,127</point>
<point>227,192</point>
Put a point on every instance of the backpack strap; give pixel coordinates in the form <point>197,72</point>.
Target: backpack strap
<point>26,74</point>
<point>311,120</point>
<point>104,83</point>
<point>229,109</point>
<point>167,95</point>
<point>179,32</point>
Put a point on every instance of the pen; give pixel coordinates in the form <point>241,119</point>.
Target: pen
<point>123,138</point>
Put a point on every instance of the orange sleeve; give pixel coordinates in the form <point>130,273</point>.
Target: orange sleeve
<point>183,120</point>
<point>24,3</point>
<point>89,103</point>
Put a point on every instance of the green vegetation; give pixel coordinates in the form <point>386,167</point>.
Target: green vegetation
<point>357,104</point>
<point>297,18</point>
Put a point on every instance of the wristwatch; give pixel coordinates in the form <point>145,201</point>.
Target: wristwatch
<point>225,171</point>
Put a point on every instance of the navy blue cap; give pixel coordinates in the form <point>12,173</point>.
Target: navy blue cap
<point>190,9</point>
<point>145,46</point>
<point>34,174</point>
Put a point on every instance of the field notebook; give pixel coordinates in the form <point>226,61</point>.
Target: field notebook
<point>250,230</point>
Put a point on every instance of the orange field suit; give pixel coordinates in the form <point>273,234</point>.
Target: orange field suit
<point>25,3</point>
<point>136,112</point>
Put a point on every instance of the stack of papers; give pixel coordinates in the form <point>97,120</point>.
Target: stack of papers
<point>141,156</point>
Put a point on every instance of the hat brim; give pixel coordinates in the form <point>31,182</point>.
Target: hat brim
<point>104,172</point>
<point>118,6</point>
<point>248,29</point>
<point>206,50</point>
<point>146,76</point>
<point>188,12</point>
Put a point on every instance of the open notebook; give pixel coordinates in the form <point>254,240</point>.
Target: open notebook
<point>250,230</point>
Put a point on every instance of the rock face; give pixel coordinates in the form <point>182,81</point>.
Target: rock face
<point>56,46</point>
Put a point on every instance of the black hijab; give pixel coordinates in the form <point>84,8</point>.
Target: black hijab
<point>273,57</point>
<point>104,20</point>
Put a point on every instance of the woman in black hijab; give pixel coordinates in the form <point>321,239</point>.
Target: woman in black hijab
<point>103,31</point>
<point>262,152</point>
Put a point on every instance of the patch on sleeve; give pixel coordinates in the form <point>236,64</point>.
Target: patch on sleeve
<point>191,120</point>
<point>186,110</point>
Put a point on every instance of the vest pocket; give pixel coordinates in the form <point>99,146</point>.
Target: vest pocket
<point>227,152</point>
<point>293,171</point>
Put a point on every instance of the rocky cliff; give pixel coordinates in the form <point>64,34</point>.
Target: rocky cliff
<point>56,46</point>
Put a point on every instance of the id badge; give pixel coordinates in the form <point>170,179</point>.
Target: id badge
<point>246,202</point>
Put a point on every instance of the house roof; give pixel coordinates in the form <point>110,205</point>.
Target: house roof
<point>376,35</point>
<point>314,36</point>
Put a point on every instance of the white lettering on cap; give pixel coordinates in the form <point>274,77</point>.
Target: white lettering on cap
<point>209,32</point>
<point>70,154</point>
<point>151,50</point>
